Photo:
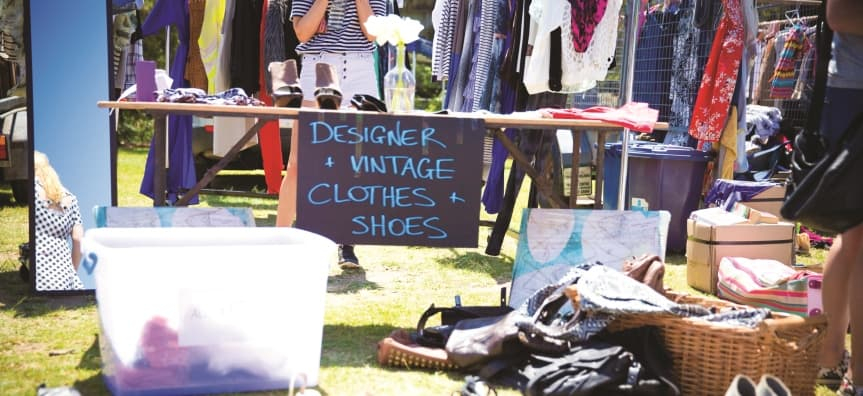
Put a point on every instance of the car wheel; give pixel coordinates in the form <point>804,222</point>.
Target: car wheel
<point>21,191</point>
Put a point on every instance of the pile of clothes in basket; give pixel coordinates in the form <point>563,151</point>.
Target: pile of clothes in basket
<point>559,341</point>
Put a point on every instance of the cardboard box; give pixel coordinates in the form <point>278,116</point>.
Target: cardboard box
<point>769,200</point>
<point>210,309</point>
<point>707,244</point>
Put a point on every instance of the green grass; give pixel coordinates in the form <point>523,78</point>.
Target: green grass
<point>54,340</point>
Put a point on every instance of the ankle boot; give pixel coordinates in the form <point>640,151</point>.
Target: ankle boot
<point>328,93</point>
<point>287,91</point>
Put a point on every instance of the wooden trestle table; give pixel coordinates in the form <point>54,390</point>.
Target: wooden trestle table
<point>496,123</point>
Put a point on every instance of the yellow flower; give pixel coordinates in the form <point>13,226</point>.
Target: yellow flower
<point>393,29</point>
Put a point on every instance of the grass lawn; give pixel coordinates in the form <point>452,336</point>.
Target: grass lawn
<point>55,340</point>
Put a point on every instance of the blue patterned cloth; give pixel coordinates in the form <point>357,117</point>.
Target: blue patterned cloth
<point>232,96</point>
<point>605,292</point>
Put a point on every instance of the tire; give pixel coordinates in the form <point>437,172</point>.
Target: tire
<point>21,191</point>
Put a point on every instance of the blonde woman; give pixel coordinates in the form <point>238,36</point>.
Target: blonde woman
<point>58,221</point>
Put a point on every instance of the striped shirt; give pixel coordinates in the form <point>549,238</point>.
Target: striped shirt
<point>343,28</point>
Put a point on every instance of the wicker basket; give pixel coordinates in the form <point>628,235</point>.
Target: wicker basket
<point>707,356</point>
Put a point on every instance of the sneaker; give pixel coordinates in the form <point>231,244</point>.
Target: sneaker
<point>347,258</point>
<point>831,377</point>
<point>848,389</point>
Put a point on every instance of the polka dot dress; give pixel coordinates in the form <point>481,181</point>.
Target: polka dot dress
<point>54,270</point>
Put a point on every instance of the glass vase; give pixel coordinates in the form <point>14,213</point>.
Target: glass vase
<point>399,85</point>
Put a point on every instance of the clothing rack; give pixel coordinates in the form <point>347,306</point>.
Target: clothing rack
<point>795,2</point>
<point>801,19</point>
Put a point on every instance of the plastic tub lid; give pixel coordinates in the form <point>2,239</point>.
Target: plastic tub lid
<point>659,151</point>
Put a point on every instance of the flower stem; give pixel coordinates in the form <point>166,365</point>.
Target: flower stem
<point>400,65</point>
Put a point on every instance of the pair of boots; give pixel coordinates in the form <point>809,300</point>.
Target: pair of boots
<point>769,385</point>
<point>287,91</point>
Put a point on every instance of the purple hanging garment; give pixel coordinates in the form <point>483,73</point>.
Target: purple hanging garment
<point>181,170</point>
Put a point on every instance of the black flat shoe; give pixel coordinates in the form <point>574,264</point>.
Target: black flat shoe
<point>286,88</point>
<point>368,103</point>
<point>328,93</point>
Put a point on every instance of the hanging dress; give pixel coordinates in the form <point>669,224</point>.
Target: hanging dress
<point>181,170</point>
<point>720,76</point>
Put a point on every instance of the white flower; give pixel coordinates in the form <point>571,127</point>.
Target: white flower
<point>393,29</point>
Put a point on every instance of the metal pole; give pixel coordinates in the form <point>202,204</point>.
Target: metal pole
<point>167,69</point>
<point>630,39</point>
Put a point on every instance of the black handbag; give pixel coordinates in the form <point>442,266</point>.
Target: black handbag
<point>436,336</point>
<point>824,192</point>
<point>830,197</point>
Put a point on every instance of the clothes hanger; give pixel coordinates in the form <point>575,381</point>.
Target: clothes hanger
<point>793,16</point>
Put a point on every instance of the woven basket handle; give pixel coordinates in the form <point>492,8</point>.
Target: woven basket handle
<point>791,322</point>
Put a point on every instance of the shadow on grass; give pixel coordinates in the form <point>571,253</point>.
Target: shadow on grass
<point>15,296</point>
<point>675,259</point>
<point>498,267</point>
<point>356,346</point>
<point>268,203</point>
<point>92,386</point>
<point>350,281</point>
<point>6,199</point>
<point>91,359</point>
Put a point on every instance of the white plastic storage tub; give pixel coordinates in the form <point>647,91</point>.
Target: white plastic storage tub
<point>209,310</point>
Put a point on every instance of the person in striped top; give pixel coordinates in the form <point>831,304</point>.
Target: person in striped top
<point>330,32</point>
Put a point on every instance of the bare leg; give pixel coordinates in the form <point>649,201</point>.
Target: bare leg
<point>837,269</point>
<point>853,242</point>
<point>286,211</point>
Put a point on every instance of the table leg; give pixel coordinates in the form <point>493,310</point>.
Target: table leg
<point>519,157</point>
<point>160,175</point>
<point>227,158</point>
<point>600,169</point>
<point>576,164</point>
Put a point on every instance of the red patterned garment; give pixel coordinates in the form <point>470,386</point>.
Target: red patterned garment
<point>269,137</point>
<point>586,14</point>
<point>720,76</point>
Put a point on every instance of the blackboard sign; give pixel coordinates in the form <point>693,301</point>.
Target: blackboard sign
<point>386,179</point>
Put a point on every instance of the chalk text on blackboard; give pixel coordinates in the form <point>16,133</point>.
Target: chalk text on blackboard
<point>323,132</point>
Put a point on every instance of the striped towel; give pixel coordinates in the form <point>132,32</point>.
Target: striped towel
<point>764,283</point>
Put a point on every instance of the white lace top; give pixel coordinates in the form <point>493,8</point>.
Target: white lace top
<point>580,71</point>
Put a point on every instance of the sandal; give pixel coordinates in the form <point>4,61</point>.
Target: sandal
<point>847,388</point>
<point>831,377</point>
